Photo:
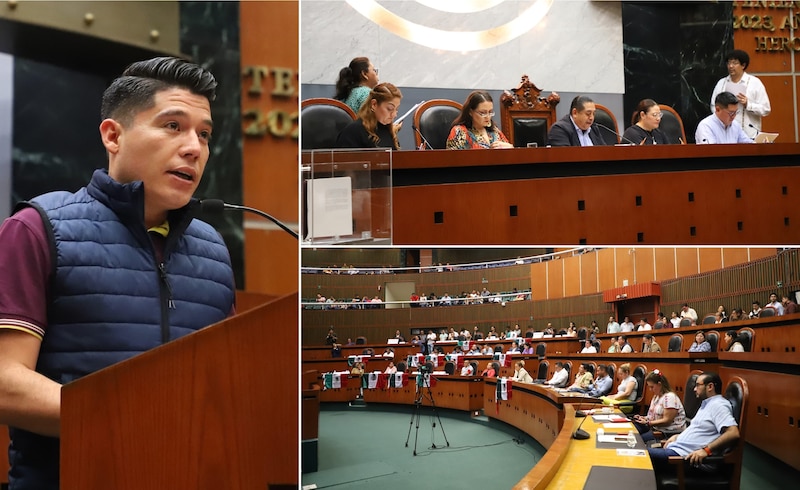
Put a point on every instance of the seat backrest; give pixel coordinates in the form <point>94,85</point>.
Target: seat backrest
<point>434,119</point>
<point>611,369</point>
<point>525,116</point>
<point>712,337</point>
<point>766,311</point>
<point>450,367</point>
<point>401,366</point>
<point>671,125</point>
<point>738,394</point>
<point>709,319</point>
<point>686,322</point>
<point>321,121</point>
<point>429,366</point>
<point>541,373</point>
<point>746,336</point>
<point>361,340</point>
<point>640,373</point>
<point>498,348</point>
<point>583,333</point>
<point>592,368</point>
<point>474,365</point>
<point>604,116</point>
<point>528,335</point>
<point>568,367</point>
<point>596,344</point>
<point>541,347</point>
<point>658,325</point>
<point>691,404</point>
<point>675,343</point>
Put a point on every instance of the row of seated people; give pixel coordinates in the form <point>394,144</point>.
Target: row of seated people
<point>420,300</point>
<point>695,428</point>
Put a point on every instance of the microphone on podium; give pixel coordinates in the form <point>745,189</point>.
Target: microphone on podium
<point>616,133</point>
<point>424,141</point>
<point>757,130</point>
<point>217,206</point>
<point>579,433</point>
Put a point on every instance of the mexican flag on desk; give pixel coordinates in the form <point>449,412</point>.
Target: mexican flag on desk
<point>434,359</point>
<point>428,380</point>
<point>414,360</point>
<point>372,380</point>
<point>351,360</point>
<point>505,359</point>
<point>334,380</point>
<point>466,345</point>
<point>503,389</point>
<point>396,380</point>
<point>458,359</point>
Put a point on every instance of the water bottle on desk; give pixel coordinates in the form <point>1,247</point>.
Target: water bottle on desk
<point>631,441</point>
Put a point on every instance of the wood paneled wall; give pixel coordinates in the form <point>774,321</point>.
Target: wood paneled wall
<point>270,175</point>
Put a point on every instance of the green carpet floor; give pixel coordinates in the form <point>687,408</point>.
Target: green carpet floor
<point>366,448</point>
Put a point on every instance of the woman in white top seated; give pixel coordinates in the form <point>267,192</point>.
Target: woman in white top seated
<point>467,370</point>
<point>391,368</point>
<point>733,341</point>
<point>520,373</point>
<point>666,413</point>
<point>626,391</point>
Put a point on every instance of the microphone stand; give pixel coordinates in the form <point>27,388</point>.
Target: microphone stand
<point>424,141</point>
<point>217,206</point>
<point>616,133</point>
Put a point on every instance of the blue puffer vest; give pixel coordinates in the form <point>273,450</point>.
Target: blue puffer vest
<point>109,297</point>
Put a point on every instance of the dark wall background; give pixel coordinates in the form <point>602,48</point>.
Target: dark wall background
<point>56,113</point>
<point>674,54</point>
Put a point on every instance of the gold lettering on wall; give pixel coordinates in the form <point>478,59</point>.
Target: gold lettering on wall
<point>775,19</point>
<point>276,122</point>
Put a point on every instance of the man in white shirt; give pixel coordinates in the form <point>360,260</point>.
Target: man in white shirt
<point>613,326</point>
<point>467,370</point>
<point>626,326</point>
<point>722,126</point>
<point>643,325</point>
<point>560,376</point>
<point>687,312</point>
<point>774,303</point>
<point>589,348</point>
<point>750,93</point>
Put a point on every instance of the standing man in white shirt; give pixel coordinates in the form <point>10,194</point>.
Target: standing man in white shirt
<point>774,303</point>
<point>613,326</point>
<point>687,312</point>
<point>626,326</point>
<point>749,92</point>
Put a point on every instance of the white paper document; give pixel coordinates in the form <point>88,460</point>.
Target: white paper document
<point>631,452</point>
<point>620,425</point>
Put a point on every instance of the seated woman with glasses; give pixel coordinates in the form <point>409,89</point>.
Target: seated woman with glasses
<point>644,125</point>
<point>474,127</point>
<point>374,128</point>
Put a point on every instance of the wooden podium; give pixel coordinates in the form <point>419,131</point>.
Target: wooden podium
<point>215,409</point>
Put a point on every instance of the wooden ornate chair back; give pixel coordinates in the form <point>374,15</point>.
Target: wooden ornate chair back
<point>526,116</point>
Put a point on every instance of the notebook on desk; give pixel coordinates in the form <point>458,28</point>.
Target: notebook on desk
<point>766,137</point>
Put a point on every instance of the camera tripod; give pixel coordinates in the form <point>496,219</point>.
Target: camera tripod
<point>421,396</point>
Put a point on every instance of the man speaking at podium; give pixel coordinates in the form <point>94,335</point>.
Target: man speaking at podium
<point>92,278</point>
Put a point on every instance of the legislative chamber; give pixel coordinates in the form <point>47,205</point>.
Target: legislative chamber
<point>767,370</point>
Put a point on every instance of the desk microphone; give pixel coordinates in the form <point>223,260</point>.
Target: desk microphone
<point>424,141</point>
<point>616,133</point>
<point>757,130</point>
<point>580,433</point>
<point>216,206</point>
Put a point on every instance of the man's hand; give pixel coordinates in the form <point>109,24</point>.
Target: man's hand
<point>742,98</point>
<point>695,458</point>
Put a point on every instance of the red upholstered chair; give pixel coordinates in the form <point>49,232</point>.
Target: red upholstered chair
<point>525,116</point>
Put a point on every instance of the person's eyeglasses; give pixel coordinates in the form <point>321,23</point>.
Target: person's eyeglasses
<point>485,114</point>
<point>657,115</point>
<point>733,62</point>
<point>732,113</point>
<point>699,384</point>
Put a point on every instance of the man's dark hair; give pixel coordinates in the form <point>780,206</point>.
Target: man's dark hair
<point>711,378</point>
<point>135,89</point>
<point>648,336</point>
<point>725,99</point>
<point>579,102</point>
<point>559,364</point>
<point>740,56</point>
<point>602,367</point>
<point>757,303</point>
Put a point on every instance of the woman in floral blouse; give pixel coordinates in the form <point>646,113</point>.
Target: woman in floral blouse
<point>474,127</point>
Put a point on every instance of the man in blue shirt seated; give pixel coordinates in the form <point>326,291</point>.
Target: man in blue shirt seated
<point>722,126</point>
<point>712,430</point>
<point>601,385</point>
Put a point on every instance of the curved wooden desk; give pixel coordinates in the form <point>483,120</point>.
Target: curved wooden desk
<point>561,195</point>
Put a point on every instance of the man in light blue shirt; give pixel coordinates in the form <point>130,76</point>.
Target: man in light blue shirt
<point>722,126</point>
<point>712,429</point>
<point>602,385</point>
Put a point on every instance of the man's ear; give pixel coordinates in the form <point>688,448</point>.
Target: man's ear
<point>110,134</point>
